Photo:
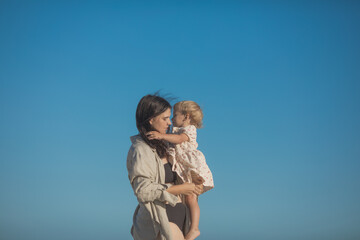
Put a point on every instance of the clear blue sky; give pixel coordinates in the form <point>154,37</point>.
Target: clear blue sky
<point>278,82</point>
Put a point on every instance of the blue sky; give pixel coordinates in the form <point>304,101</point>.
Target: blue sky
<point>278,82</point>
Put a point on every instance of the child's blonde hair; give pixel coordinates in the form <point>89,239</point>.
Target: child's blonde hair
<point>194,111</point>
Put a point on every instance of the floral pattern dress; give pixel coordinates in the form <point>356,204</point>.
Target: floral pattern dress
<point>187,159</point>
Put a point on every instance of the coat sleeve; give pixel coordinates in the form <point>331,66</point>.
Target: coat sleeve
<point>143,171</point>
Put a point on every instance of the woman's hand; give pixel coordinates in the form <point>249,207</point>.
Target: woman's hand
<point>185,188</point>
<point>199,189</point>
<point>191,188</point>
<point>196,178</point>
<point>188,188</point>
<point>154,135</point>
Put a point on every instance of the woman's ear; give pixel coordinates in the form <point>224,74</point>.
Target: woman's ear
<point>151,121</point>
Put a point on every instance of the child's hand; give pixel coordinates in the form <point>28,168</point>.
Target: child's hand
<point>154,135</point>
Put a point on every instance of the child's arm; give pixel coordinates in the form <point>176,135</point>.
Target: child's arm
<point>173,138</point>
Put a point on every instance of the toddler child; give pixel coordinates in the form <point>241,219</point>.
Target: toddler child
<point>188,162</point>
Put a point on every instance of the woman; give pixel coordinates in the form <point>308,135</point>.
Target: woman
<point>160,214</point>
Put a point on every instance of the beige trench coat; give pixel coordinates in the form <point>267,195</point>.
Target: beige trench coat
<point>147,178</point>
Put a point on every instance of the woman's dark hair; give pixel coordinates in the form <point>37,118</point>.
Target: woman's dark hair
<point>149,107</point>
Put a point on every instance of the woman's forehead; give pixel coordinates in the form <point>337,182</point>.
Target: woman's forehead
<point>167,113</point>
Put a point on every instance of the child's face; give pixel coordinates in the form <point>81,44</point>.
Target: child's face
<point>178,119</point>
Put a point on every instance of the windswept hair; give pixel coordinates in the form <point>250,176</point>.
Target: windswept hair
<point>194,111</point>
<point>151,106</point>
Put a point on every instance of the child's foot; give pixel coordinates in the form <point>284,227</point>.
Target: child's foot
<point>192,234</point>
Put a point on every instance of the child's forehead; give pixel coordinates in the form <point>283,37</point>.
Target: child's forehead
<point>177,112</point>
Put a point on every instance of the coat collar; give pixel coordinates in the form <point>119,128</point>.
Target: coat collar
<point>138,139</point>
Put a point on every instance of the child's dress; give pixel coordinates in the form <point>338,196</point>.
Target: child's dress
<point>186,158</point>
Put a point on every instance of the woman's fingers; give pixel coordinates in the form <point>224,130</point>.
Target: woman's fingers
<point>187,188</point>
<point>198,189</point>
<point>196,176</point>
<point>197,180</point>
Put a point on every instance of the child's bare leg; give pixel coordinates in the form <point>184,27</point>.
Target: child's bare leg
<point>191,201</point>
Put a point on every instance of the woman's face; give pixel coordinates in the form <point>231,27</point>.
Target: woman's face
<point>161,122</point>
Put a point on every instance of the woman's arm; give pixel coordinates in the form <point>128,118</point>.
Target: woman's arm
<point>173,138</point>
<point>185,188</point>
<point>142,169</point>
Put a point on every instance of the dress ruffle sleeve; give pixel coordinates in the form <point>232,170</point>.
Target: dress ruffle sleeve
<point>190,131</point>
